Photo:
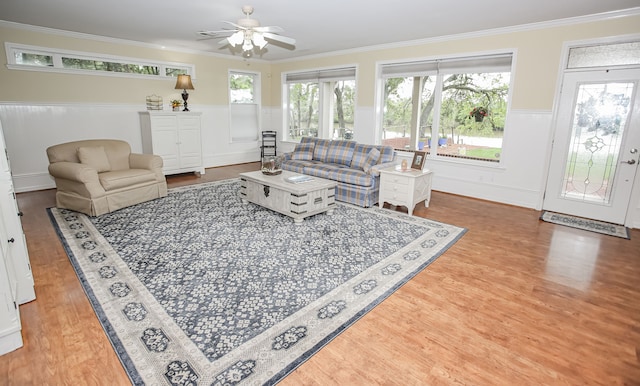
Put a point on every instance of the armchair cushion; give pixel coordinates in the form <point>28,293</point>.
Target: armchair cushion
<point>95,157</point>
<point>123,178</point>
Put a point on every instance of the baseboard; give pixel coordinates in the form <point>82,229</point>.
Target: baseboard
<point>216,160</point>
<point>32,182</point>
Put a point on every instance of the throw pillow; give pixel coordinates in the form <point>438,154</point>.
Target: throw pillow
<point>95,157</point>
<point>340,152</point>
<point>320,151</point>
<point>303,151</point>
<point>372,159</point>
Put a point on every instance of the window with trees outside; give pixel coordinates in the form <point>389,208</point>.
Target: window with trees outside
<point>449,107</point>
<point>244,106</point>
<point>48,59</point>
<point>320,104</point>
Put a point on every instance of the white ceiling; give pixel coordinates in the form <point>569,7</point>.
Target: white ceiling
<point>318,26</point>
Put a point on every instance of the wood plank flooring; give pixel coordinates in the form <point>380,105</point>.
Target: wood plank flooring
<point>516,301</point>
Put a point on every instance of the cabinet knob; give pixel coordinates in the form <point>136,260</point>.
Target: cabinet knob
<point>11,240</point>
<point>20,214</point>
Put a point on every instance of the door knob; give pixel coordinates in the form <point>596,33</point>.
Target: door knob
<point>630,162</point>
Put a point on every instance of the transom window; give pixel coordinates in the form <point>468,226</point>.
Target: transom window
<point>448,108</point>
<point>23,57</point>
<point>320,103</point>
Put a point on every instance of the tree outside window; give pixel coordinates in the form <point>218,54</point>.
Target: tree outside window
<point>320,104</point>
<point>451,113</point>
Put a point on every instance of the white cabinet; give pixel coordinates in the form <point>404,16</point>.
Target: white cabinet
<point>175,136</point>
<point>16,279</point>
<point>405,188</point>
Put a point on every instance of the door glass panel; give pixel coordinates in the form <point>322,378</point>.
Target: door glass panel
<point>601,112</point>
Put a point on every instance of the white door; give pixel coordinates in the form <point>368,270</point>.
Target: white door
<point>596,145</point>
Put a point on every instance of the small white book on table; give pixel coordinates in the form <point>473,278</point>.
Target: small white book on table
<point>298,179</point>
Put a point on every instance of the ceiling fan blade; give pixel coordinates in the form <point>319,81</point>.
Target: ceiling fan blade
<point>215,33</point>
<point>235,25</point>
<point>279,38</point>
<point>272,28</point>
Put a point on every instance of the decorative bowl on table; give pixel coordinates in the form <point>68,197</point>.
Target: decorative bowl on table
<point>271,165</point>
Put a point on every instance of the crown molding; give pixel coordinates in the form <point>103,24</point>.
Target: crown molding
<point>476,34</point>
<point>494,31</point>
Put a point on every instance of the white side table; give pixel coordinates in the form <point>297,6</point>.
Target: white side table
<point>405,188</point>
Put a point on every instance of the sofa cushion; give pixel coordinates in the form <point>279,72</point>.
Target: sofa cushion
<point>125,178</point>
<point>352,176</point>
<point>322,170</point>
<point>340,152</point>
<point>95,157</point>
<point>320,150</point>
<point>303,151</point>
<point>371,159</point>
<point>296,165</point>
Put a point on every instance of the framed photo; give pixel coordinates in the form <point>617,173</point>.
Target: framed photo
<point>418,160</point>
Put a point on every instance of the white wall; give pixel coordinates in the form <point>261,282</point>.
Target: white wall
<point>30,128</point>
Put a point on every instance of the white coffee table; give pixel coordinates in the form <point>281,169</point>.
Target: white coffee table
<point>296,200</point>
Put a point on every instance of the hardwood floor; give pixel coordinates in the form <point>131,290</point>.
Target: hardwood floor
<point>516,301</point>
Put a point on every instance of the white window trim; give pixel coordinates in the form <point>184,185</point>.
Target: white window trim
<point>381,77</point>
<point>244,106</point>
<point>57,54</point>
<point>322,76</point>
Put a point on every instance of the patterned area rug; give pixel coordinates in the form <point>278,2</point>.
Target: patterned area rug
<point>200,288</point>
<point>604,228</point>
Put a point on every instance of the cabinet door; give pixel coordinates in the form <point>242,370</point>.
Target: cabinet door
<point>165,141</point>
<point>17,253</point>
<point>190,143</point>
<point>10,327</point>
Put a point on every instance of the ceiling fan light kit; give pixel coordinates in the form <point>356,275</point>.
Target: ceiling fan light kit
<point>249,35</point>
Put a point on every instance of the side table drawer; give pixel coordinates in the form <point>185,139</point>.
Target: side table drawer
<point>395,189</point>
<point>395,180</point>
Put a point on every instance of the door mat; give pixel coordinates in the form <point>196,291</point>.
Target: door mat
<point>602,227</point>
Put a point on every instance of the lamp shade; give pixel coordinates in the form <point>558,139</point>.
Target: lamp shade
<point>184,82</point>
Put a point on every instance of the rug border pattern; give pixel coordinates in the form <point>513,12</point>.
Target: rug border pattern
<point>600,227</point>
<point>139,374</point>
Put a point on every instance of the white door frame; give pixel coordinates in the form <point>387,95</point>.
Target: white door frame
<point>633,213</point>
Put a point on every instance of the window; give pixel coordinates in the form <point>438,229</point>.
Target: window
<point>244,106</point>
<point>452,107</point>
<point>22,57</point>
<point>320,103</point>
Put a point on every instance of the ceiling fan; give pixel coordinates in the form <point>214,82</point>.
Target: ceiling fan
<point>248,34</point>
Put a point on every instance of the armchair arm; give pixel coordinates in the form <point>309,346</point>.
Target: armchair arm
<point>145,161</point>
<point>77,179</point>
<point>74,172</point>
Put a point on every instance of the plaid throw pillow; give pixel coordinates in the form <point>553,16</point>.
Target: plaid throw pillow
<point>386,154</point>
<point>340,152</point>
<point>320,151</point>
<point>303,151</point>
<point>372,159</point>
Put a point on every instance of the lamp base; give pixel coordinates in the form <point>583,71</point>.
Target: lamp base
<point>185,96</point>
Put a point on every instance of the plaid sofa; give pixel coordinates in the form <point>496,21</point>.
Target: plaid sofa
<point>355,167</point>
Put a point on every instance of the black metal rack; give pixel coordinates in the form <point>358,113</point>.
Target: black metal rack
<point>268,148</point>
